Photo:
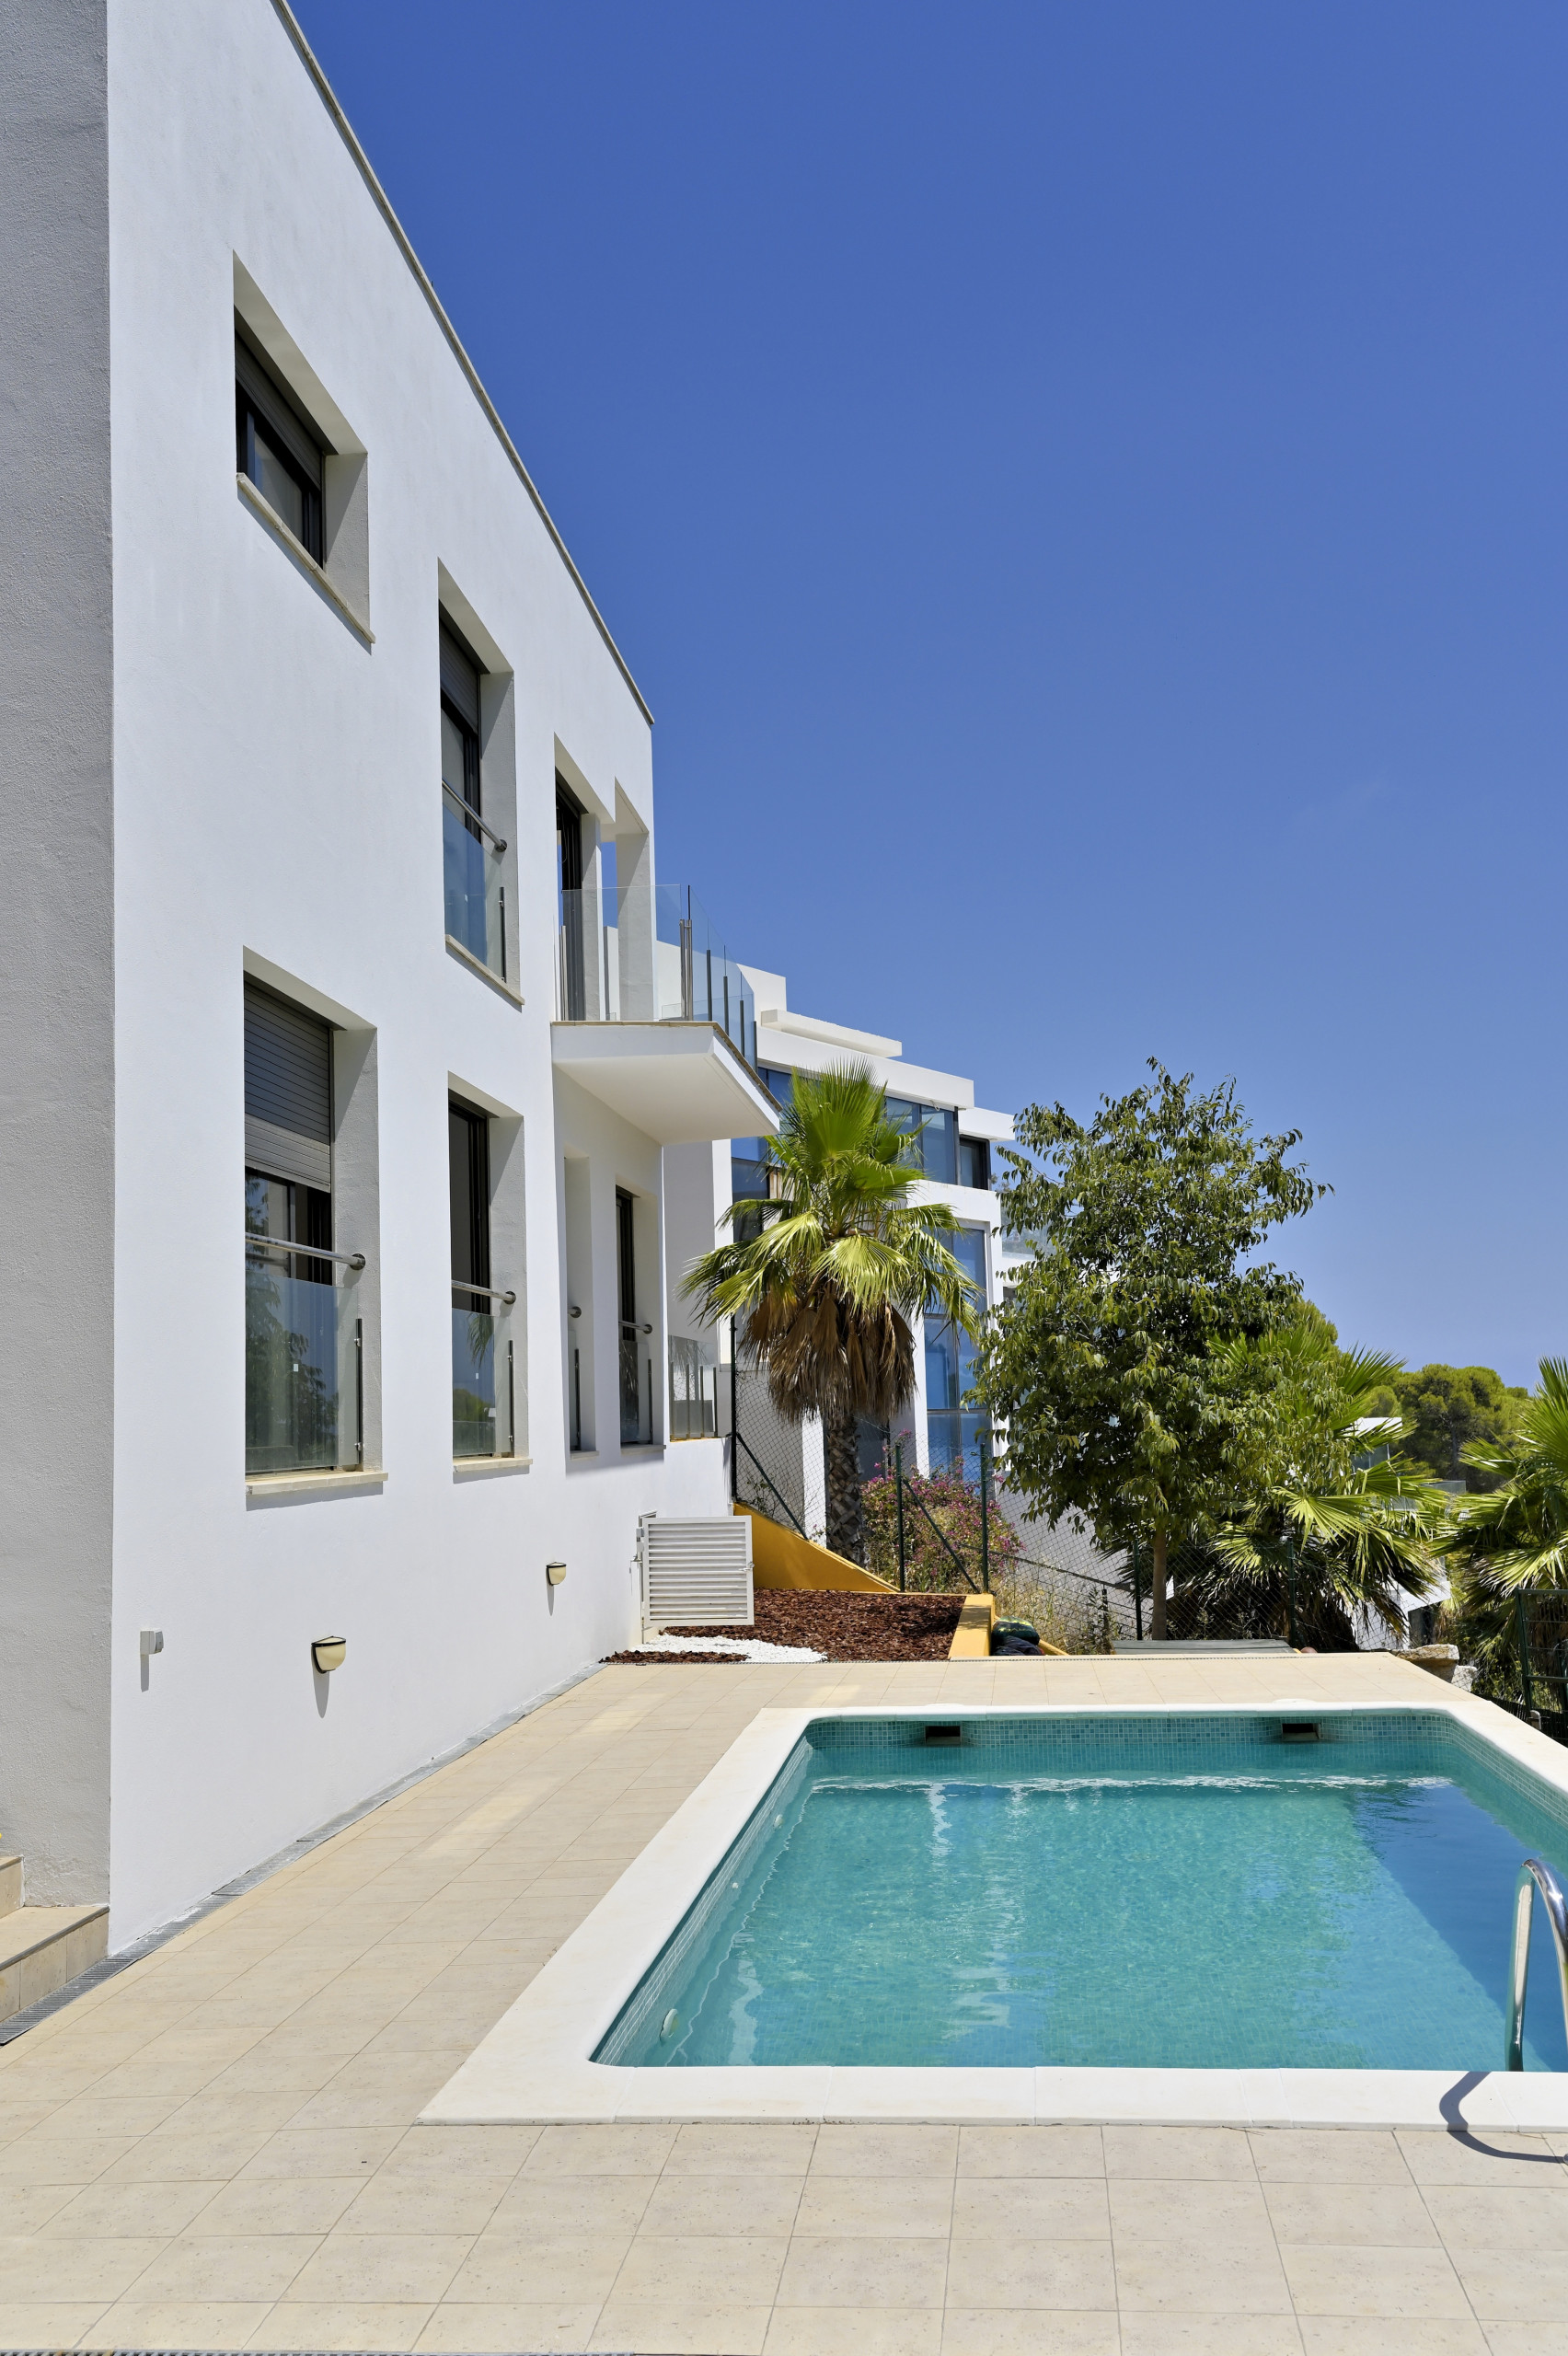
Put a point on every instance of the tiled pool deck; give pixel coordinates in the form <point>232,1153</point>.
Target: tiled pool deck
<point>218,2149</point>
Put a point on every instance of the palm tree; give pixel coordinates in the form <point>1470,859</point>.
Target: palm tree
<point>1512,1541</point>
<point>825,1292</point>
<point>1320,1535</point>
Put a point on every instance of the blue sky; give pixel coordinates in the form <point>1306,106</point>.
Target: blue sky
<point>1082,489</point>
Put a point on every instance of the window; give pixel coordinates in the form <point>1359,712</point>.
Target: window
<point>484,1382</point>
<point>633,1393</point>
<point>279,452</point>
<point>952,1431</point>
<point>974,1163</point>
<point>572,990</point>
<point>476,895</point>
<point>935,1134</point>
<point>304,1330</point>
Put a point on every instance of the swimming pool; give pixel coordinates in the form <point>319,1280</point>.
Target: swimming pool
<point>1066,1913</point>
<point>1211,1894</point>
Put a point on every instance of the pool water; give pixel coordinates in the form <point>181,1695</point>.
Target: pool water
<point>1137,1893</point>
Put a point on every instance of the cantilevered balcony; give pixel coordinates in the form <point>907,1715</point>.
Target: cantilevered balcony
<point>656,1017</point>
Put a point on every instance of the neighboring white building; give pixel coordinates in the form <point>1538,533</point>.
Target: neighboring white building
<point>957,1140</point>
<point>307,719</point>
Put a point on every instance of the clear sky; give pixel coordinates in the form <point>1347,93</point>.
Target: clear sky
<point>1082,489</point>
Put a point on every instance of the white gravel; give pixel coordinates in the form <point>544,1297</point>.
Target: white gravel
<point>744,1648</point>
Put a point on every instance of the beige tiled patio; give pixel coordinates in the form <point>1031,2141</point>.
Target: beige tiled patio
<point>218,2148</point>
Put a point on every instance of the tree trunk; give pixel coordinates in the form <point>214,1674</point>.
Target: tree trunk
<point>841,1452</point>
<point>1156,1599</point>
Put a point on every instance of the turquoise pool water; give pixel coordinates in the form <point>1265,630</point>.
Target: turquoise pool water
<point>1150,1892</point>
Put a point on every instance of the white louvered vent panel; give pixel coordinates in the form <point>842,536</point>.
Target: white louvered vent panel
<point>698,1573</point>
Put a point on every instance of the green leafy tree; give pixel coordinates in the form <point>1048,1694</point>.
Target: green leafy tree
<point>1512,1537</point>
<point>1318,1535</point>
<point>1450,1408</point>
<point>824,1293</point>
<point>1109,1369</point>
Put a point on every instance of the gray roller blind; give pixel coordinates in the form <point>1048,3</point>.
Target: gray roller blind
<point>288,1090</point>
<point>295,432</point>
<point>459,679</point>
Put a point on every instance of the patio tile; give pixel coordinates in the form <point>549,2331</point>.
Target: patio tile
<point>1339,2280</point>
<point>550,2206</point>
<point>674,2327</point>
<point>854,2331</point>
<point>262,2204</point>
<point>1515,2285</point>
<point>1053,2209</point>
<point>523,2270</point>
<point>1214,2335</point>
<point>1501,2217</point>
<point>259,2266</point>
<point>1201,2277</point>
<point>63,2159</point>
<point>857,2272</point>
<point>473,2330</point>
<point>322,2151</point>
<point>1169,2210</point>
<point>380,2269</point>
<point>846,2150</point>
<point>1027,2331</point>
<point>1182,2153</point>
<point>1483,2159</point>
<point>382,2324</point>
<point>27,2207</point>
<point>1074,2275</point>
<point>597,2150</point>
<point>132,2211</point>
<point>1389,2216</point>
<point>37,2268</point>
<point>876,2205</point>
<point>1327,2156</point>
<point>55,2324</point>
<point>1030,2151</point>
<point>1395,2335</point>
<point>204,2323</point>
<point>743,2203</point>
<point>721,2148</point>
<point>708,2270</point>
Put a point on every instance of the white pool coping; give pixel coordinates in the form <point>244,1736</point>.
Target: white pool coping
<point>535,2067</point>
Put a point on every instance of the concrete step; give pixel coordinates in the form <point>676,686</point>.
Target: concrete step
<point>10,1884</point>
<point>42,1946</point>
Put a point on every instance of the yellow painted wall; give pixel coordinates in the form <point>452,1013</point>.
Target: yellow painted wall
<point>782,1557</point>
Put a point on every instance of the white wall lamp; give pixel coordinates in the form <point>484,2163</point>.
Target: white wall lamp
<point>152,1642</point>
<point>555,1573</point>
<point>326,1654</point>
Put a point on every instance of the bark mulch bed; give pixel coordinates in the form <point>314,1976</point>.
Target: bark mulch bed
<point>848,1627</point>
<point>659,1660</point>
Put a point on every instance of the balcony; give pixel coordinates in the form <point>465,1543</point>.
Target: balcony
<point>304,1360</point>
<point>656,1017</point>
<point>476,896</point>
<point>484,1374</point>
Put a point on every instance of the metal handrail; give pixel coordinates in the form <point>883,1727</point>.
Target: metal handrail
<point>492,1292</point>
<point>302,1251</point>
<point>470,813</point>
<point>1534,1875</point>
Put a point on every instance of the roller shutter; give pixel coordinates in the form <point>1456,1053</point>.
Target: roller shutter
<point>288,1090</point>
<point>459,679</point>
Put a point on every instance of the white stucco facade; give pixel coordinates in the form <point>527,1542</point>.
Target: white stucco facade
<point>260,795</point>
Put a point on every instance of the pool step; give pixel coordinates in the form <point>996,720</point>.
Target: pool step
<point>42,1946</point>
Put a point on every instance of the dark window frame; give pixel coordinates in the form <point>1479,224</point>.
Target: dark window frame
<point>263,411</point>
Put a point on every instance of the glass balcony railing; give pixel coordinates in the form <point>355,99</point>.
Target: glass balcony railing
<point>694,1387</point>
<point>484,1373</point>
<point>304,1360</point>
<point>476,896</point>
<point>628,956</point>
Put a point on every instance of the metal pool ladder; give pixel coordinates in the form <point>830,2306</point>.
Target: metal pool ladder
<point>1534,1875</point>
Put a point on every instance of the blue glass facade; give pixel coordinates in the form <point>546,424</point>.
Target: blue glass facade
<point>953,1430</point>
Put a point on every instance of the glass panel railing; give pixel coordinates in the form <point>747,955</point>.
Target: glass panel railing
<point>697,979</point>
<point>621,957</point>
<point>476,896</point>
<point>303,1349</point>
<point>484,1375</point>
<point>694,1387</point>
<point>588,957</point>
